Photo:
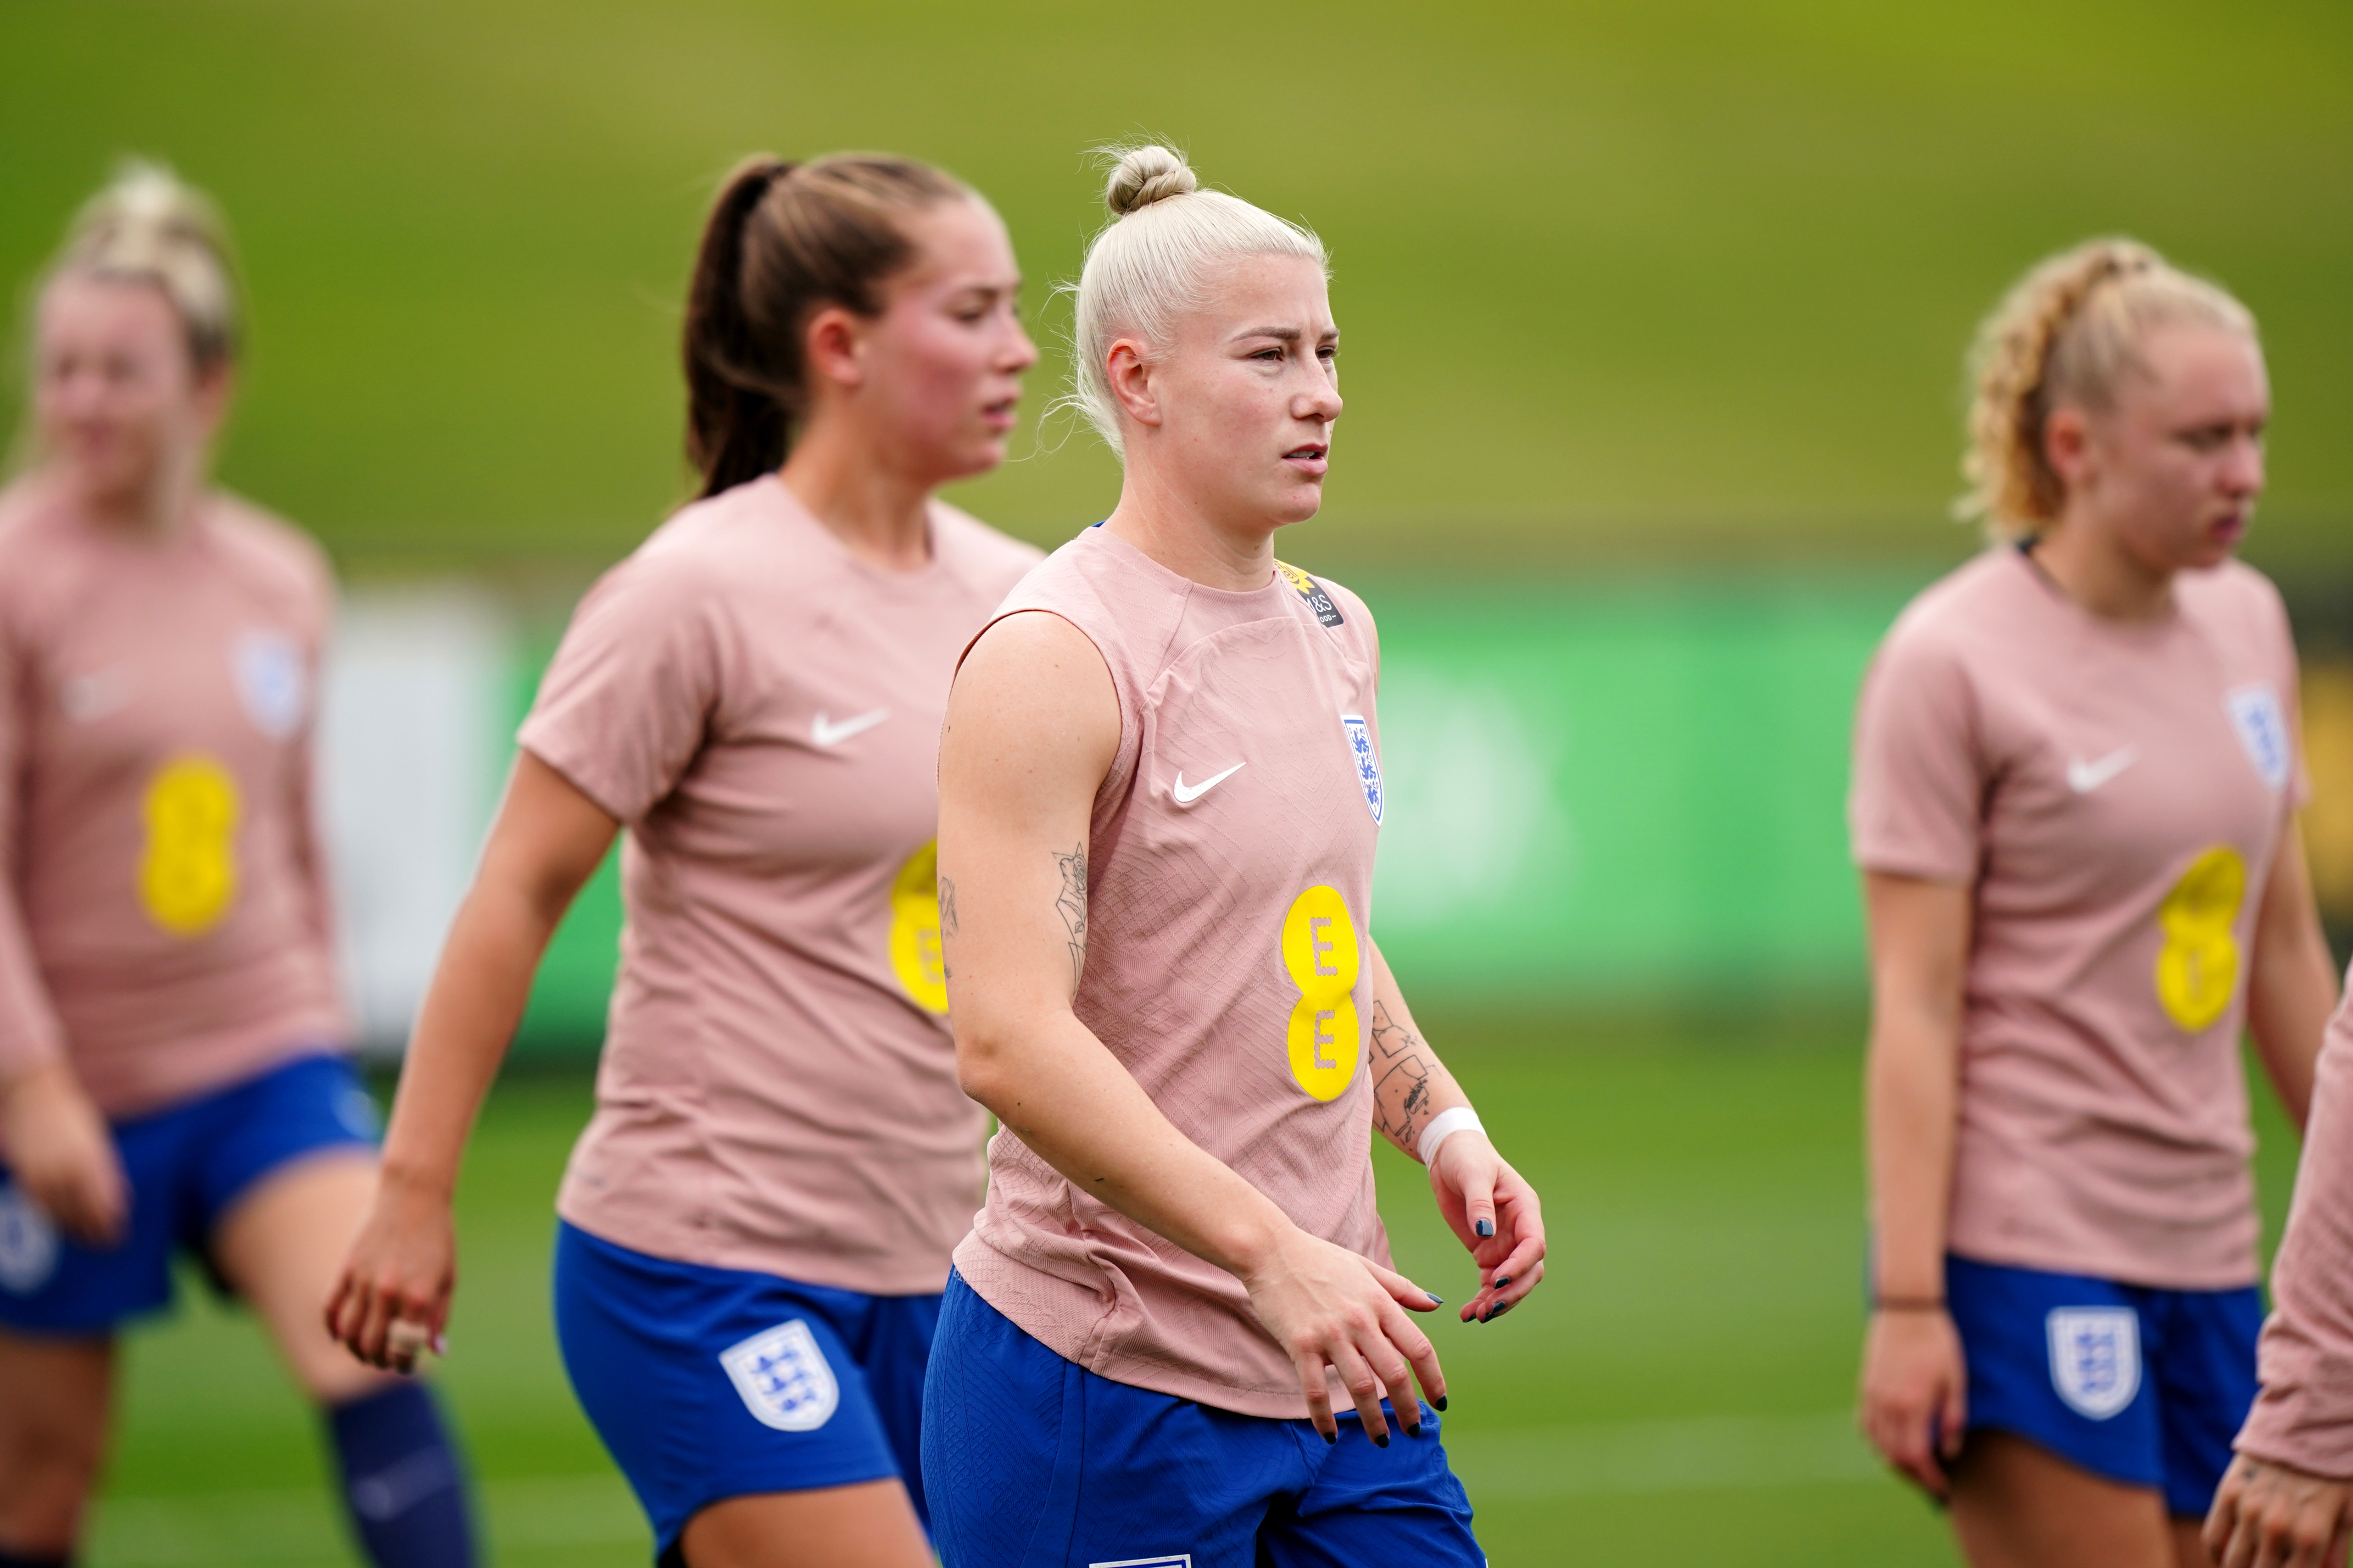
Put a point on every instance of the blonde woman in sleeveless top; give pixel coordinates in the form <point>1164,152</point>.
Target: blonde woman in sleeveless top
<point>1160,799</point>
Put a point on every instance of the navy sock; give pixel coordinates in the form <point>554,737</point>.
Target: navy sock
<point>403,1485</point>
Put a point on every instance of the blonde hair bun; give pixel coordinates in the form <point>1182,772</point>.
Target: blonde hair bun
<point>1144,175</point>
<point>148,227</point>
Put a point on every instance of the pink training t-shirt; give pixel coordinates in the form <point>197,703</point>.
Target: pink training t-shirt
<point>762,710</point>
<point>2304,1417</point>
<point>2113,795</point>
<point>1227,961</point>
<point>165,923</point>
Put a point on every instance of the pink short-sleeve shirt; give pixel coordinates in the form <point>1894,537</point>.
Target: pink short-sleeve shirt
<point>2114,795</point>
<point>762,711</point>
<point>164,926</point>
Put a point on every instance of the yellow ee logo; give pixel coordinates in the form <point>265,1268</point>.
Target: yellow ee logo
<point>187,875</point>
<point>2198,967</point>
<point>1319,948</point>
<point>915,956</point>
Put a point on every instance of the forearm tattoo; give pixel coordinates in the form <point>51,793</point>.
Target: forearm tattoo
<point>947,925</point>
<point>1401,1096</point>
<point>1070,904</point>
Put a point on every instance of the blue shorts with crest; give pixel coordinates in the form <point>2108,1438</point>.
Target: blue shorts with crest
<point>188,1164</point>
<point>1035,1462</point>
<point>709,1384</point>
<point>2143,1385</point>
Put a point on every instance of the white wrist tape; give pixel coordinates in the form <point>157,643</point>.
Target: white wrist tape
<point>1444,1125</point>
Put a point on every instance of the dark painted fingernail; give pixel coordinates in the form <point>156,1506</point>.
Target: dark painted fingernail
<point>1501,1309</point>
<point>1331,1436</point>
<point>1380,1439</point>
<point>1485,1227</point>
<point>1439,1404</point>
<point>1501,1280</point>
<point>1435,1297</point>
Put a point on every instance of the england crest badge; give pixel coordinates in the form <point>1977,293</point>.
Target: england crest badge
<point>29,1244</point>
<point>2255,714</point>
<point>271,680</point>
<point>783,1377</point>
<point>2095,1358</point>
<point>1368,766</point>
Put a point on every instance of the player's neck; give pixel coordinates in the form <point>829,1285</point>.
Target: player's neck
<point>2092,567</point>
<point>879,511</point>
<point>159,509</point>
<point>1191,541</point>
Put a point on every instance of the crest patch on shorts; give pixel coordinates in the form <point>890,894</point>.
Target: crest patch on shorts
<point>2255,714</point>
<point>2095,1358</point>
<point>29,1244</point>
<point>1368,765</point>
<point>783,1377</point>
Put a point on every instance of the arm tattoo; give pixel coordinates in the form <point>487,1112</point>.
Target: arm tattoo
<point>947,925</point>
<point>1400,1081</point>
<point>1070,904</point>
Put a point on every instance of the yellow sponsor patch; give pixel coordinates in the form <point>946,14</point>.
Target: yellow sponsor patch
<point>916,930</point>
<point>187,873</point>
<point>1319,949</point>
<point>2198,967</point>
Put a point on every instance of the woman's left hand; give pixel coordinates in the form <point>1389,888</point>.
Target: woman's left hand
<point>2269,1516</point>
<point>1496,1215</point>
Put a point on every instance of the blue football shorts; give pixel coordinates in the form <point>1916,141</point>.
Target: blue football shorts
<point>1032,1461</point>
<point>188,1164</point>
<point>709,1384</point>
<point>2143,1385</point>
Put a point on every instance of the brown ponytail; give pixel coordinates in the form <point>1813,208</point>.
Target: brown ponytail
<point>782,241</point>
<point>2061,338</point>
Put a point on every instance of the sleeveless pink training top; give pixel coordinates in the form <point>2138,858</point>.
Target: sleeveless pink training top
<point>1230,888</point>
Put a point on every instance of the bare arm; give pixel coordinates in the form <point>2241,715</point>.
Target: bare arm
<point>2292,979</point>
<point>1912,1382</point>
<point>547,841</point>
<point>1033,729</point>
<point>1490,1206</point>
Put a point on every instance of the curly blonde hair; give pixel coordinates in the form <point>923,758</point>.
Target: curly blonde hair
<point>2063,337</point>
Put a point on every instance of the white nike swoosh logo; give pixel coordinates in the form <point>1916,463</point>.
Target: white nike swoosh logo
<point>826,733</point>
<point>1187,797</point>
<point>2085,777</point>
<point>89,698</point>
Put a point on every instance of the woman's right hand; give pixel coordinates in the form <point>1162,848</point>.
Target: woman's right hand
<point>392,1299</point>
<point>1915,1395</point>
<point>63,1156</point>
<point>1329,1308</point>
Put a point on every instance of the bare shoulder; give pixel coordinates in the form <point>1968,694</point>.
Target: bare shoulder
<point>1033,684</point>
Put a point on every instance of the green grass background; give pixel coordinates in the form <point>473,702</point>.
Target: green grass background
<point>1681,280</point>
<point>1675,1394</point>
<point>1681,277</point>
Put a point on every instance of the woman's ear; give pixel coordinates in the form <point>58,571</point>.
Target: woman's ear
<point>2067,445</point>
<point>834,347</point>
<point>1130,375</point>
<point>215,385</point>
